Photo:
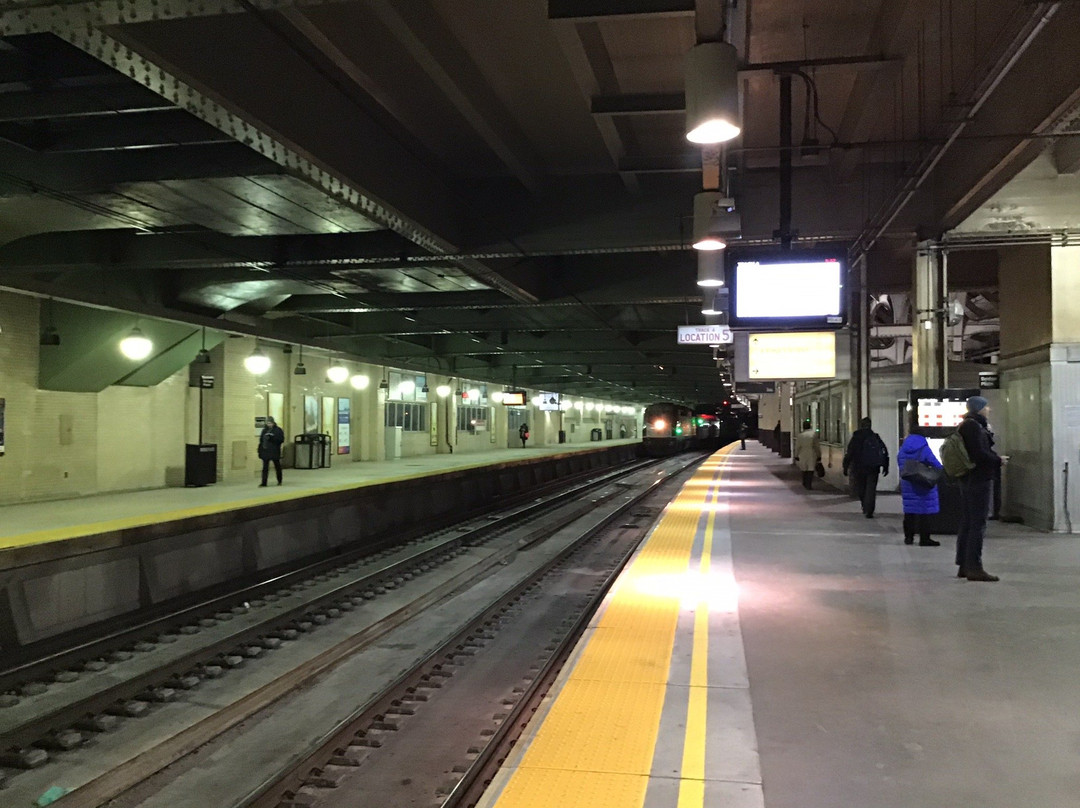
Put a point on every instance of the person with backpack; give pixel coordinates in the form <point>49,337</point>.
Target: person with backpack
<point>982,464</point>
<point>866,457</point>
<point>920,499</point>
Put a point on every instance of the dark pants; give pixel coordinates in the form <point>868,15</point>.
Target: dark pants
<point>866,489</point>
<point>808,480</point>
<point>917,523</point>
<point>975,504</point>
<point>266,468</point>
<point>743,442</point>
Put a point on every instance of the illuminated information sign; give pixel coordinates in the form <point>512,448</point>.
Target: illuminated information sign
<point>792,355</point>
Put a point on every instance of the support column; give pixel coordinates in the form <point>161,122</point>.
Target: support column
<point>927,330</point>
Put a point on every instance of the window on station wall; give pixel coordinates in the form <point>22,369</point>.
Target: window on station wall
<point>472,419</point>
<point>515,417</point>
<point>406,387</point>
<point>410,416</point>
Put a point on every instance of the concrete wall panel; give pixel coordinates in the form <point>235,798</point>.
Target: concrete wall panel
<point>174,568</point>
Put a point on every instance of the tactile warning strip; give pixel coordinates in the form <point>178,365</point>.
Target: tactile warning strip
<point>596,744</point>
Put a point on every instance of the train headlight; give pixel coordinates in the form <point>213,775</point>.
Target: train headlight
<point>659,425</point>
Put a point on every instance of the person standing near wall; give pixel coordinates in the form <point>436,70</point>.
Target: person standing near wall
<point>270,440</point>
<point>807,453</point>
<point>975,490</point>
<point>867,457</point>
<point>523,433</point>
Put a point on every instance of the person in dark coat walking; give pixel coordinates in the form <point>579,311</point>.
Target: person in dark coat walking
<point>270,440</point>
<point>920,502</point>
<point>523,433</point>
<point>975,490</point>
<point>867,457</point>
<point>742,436</point>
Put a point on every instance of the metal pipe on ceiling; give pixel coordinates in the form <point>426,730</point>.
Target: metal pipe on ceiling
<point>1040,18</point>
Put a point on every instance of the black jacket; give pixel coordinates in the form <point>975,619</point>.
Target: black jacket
<point>980,447</point>
<point>866,444</point>
<point>270,440</point>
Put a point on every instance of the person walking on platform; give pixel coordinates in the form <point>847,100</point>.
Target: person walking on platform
<point>808,454</point>
<point>742,436</point>
<point>523,433</point>
<point>270,440</point>
<point>975,490</point>
<point>920,501</point>
<point>866,457</point>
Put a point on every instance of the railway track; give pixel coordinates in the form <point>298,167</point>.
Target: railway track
<point>287,636</point>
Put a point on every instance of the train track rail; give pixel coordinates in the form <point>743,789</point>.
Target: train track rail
<point>162,669</point>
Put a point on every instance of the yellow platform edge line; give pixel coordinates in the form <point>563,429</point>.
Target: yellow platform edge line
<point>564,747</point>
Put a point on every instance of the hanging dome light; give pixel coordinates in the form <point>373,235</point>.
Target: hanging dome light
<point>712,93</point>
<point>474,394</point>
<point>497,396</point>
<point>336,374</point>
<point>407,387</point>
<point>442,391</point>
<point>258,362</point>
<point>710,272</point>
<point>360,382</point>
<point>136,345</point>
<point>714,220</point>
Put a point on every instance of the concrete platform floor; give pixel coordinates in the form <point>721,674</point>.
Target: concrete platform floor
<point>55,520</point>
<point>880,680</point>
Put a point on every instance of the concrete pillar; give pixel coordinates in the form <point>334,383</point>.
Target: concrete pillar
<point>927,330</point>
<point>1039,289</point>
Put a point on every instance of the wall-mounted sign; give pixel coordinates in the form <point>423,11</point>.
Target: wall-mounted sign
<point>792,355</point>
<point>344,406</point>
<point>756,388</point>
<point>705,335</point>
<point>989,380</point>
<point>549,402</point>
<point>514,398</point>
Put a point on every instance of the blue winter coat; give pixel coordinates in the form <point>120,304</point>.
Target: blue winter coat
<point>917,498</point>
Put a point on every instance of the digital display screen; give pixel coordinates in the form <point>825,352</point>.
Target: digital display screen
<point>792,355</point>
<point>514,398</point>
<point>785,290</point>
<point>941,413</point>
<point>935,446</point>
<point>549,402</point>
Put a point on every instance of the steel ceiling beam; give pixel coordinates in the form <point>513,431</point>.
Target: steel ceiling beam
<point>586,10</point>
<point>79,102</point>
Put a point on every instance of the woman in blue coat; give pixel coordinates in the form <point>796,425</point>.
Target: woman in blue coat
<point>919,501</point>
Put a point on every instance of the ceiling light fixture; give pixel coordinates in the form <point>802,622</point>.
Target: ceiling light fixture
<point>442,391</point>
<point>708,303</point>
<point>203,356</point>
<point>360,382</point>
<point>710,273</point>
<point>497,396</point>
<point>715,221</point>
<point>407,387</point>
<point>336,373</point>
<point>136,345</point>
<point>300,370</point>
<point>258,362</point>
<point>712,93</point>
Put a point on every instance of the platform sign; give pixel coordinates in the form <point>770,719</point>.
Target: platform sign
<point>792,355</point>
<point>514,398</point>
<point>549,402</point>
<point>989,380</point>
<point>705,335</point>
<point>343,419</point>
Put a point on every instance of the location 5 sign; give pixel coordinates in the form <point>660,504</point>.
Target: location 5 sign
<point>705,335</point>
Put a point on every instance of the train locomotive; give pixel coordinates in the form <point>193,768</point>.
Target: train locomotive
<point>668,428</point>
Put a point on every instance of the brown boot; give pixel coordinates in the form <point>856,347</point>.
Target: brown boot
<point>981,575</point>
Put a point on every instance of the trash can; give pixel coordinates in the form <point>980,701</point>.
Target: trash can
<point>200,464</point>
<point>311,451</point>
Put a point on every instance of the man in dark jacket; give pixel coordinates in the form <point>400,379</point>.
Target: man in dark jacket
<point>866,457</point>
<point>270,440</point>
<point>975,489</point>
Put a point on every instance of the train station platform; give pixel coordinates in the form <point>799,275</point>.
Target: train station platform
<point>26,524</point>
<point>70,564</point>
<point>769,646</point>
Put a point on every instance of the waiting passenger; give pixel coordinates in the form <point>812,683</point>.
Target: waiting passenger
<point>975,490</point>
<point>866,457</point>
<point>808,454</point>
<point>920,498</point>
<point>523,433</point>
<point>270,440</point>
<point>742,436</point>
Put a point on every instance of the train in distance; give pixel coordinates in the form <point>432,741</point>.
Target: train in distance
<point>670,428</point>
